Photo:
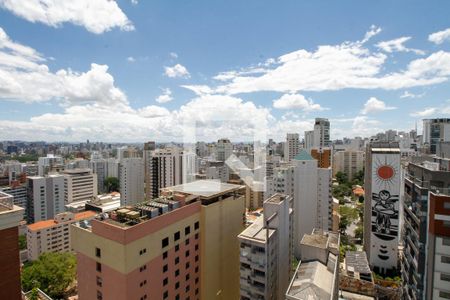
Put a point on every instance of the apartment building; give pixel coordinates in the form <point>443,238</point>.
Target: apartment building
<point>181,245</point>
<point>317,274</point>
<point>425,263</point>
<point>292,146</point>
<point>348,162</point>
<point>19,193</point>
<point>50,164</point>
<point>224,149</point>
<point>382,180</point>
<point>80,185</point>
<point>435,131</point>
<point>53,235</point>
<point>323,156</point>
<point>45,197</point>
<point>131,178</point>
<point>266,251</point>
<point>10,216</point>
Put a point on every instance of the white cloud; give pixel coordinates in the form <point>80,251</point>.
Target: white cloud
<point>440,36</point>
<point>153,111</point>
<point>425,112</point>
<point>374,105</point>
<point>25,77</point>
<point>134,2</point>
<point>199,89</point>
<point>173,55</point>
<point>176,71</point>
<point>443,110</point>
<point>296,101</point>
<point>165,97</point>
<point>97,16</point>
<point>407,94</point>
<point>131,59</point>
<point>396,45</point>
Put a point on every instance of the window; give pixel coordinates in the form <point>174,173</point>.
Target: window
<point>165,254</point>
<point>445,277</point>
<point>177,272</point>
<point>98,252</point>
<point>177,285</point>
<point>99,281</point>
<point>187,288</point>
<point>143,268</point>
<point>176,236</point>
<point>165,281</point>
<point>142,251</point>
<point>445,259</point>
<point>446,241</point>
<point>99,295</point>
<point>196,225</point>
<point>177,260</point>
<point>443,294</point>
<point>165,242</point>
<point>196,236</point>
<point>186,242</point>
<point>446,205</point>
<point>446,223</point>
<point>196,291</point>
<point>187,265</point>
<point>99,267</point>
<point>165,268</point>
<point>196,280</point>
<point>196,258</point>
<point>166,295</point>
<point>186,253</point>
<point>177,247</point>
<point>144,297</point>
<point>177,297</point>
<point>187,277</point>
<point>196,269</point>
<point>187,230</point>
<point>196,247</point>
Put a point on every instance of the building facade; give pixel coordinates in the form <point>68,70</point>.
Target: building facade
<point>80,185</point>
<point>435,131</point>
<point>292,146</point>
<point>382,182</point>
<point>266,251</point>
<point>348,162</point>
<point>131,181</point>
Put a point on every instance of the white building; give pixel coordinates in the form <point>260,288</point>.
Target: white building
<point>382,180</point>
<point>50,163</point>
<point>53,235</point>
<point>131,177</point>
<point>292,146</point>
<point>224,149</point>
<point>348,162</point>
<point>19,194</point>
<point>80,185</point>
<point>266,251</point>
<point>45,197</point>
<point>320,136</point>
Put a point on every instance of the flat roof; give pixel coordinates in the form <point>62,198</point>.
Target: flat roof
<point>358,261</point>
<point>205,188</point>
<point>50,223</point>
<point>256,231</point>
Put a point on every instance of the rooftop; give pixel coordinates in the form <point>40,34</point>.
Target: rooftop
<point>205,188</point>
<point>303,155</point>
<point>256,231</point>
<point>50,223</point>
<point>312,280</point>
<point>357,260</point>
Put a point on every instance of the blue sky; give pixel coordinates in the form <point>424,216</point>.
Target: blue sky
<point>139,70</point>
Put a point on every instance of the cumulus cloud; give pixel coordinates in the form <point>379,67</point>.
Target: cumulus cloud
<point>374,105</point>
<point>296,101</point>
<point>176,71</point>
<point>97,16</point>
<point>397,45</point>
<point>25,77</point>
<point>334,67</point>
<point>443,110</point>
<point>165,97</point>
<point>440,36</point>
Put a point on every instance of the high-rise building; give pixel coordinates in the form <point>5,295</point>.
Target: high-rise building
<point>322,133</point>
<point>131,177</point>
<point>224,149</point>
<point>53,235</point>
<point>10,216</point>
<point>292,146</point>
<point>317,274</point>
<point>50,163</point>
<point>309,139</point>
<point>178,246</point>
<point>80,185</point>
<point>266,251</point>
<point>435,131</point>
<point>425,263</point>
<point>382,182</point>
<point>45,197</point>
<point>323,157</point>
<point>163,168</point>
<point>348,162</point>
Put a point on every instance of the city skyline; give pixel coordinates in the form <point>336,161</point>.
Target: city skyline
<point>144,69</point>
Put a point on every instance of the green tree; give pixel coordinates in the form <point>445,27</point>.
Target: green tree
<point>22,242</point>
<point>34,295</point>
<point>359,232</point>
<point>341,178</point>
<point>343,224</point>
<point>112,184</point>
<point>52,273</point>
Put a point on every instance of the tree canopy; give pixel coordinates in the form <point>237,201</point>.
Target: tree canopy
<point>53,273</point>
<point>111,184</point>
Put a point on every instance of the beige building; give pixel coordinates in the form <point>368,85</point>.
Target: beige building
<point>53,235</point>
<point>80,185</point>
<point>348,162</point>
